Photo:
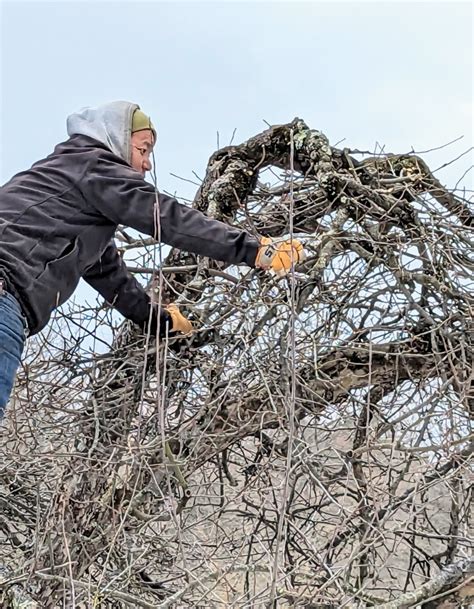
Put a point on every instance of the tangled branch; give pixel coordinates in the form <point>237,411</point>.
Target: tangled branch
<point>144,474</point>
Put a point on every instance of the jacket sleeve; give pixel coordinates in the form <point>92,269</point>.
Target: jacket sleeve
<point>121,194</point>
<point>109,276</point>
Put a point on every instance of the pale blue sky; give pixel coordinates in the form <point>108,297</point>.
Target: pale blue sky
<point>395,73</point>
<point>398,74</point>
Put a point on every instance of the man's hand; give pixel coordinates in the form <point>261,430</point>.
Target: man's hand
<point>179,322</point>
<point>279,256</point>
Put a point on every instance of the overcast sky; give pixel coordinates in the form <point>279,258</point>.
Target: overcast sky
<point>398,74</point>
<point>394,75</point>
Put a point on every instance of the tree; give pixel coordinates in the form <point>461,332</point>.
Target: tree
<point>309,446</point>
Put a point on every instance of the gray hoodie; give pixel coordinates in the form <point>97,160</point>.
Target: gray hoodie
<point>109,123</point>
<point>58,220</point>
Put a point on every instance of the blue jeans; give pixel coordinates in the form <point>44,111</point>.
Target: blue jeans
<point>12,340</point>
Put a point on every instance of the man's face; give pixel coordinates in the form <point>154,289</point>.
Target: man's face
<point>142,146</point>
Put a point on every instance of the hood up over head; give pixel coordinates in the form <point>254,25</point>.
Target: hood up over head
<point>109,123</point>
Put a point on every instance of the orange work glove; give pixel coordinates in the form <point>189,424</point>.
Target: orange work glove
<point>279,256</point>
<point>179,322</point>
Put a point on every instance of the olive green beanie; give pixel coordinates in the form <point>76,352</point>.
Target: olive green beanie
<point>141,121</point>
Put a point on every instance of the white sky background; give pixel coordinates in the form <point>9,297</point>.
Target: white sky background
<point>399,74</point>
<point>395,73</point>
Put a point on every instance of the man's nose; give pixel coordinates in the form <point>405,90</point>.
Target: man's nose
<point>146,164</point>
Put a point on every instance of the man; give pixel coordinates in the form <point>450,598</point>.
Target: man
<point>57,224</point>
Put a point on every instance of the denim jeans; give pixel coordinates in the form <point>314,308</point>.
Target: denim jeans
<point>12,340</point>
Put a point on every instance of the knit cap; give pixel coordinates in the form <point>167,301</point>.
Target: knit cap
<point>141,121</point>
